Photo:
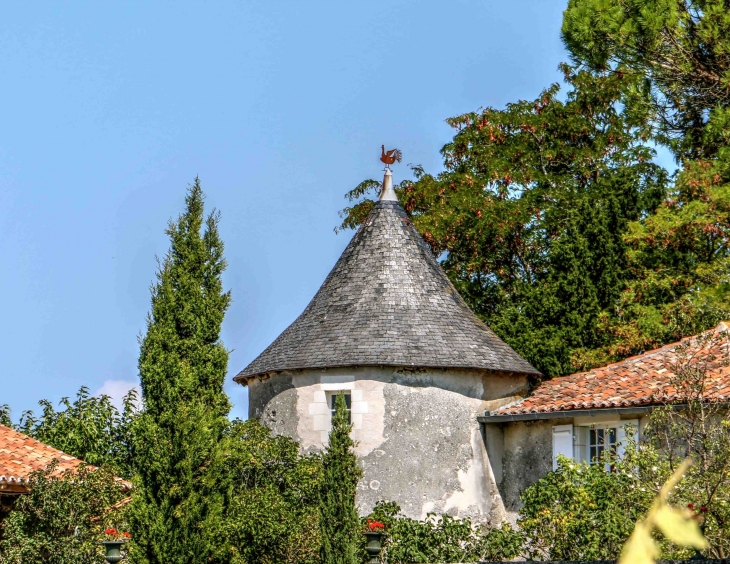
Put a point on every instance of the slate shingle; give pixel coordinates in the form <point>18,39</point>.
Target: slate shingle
<point>387,302</point>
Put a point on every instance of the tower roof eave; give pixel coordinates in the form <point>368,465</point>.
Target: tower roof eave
<point>243,377</point>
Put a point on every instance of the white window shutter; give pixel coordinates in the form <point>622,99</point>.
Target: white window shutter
<point>562,443</point>
<point>625,430</point>
<point>580,449</point>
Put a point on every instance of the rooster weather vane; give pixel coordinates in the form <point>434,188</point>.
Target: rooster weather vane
<point>389,157</point>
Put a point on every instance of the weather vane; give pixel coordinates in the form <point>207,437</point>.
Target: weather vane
<point>389,157</point>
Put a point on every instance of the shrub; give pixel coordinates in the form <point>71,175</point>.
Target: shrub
<point>442,538</point>
<point>265,498</point>
<point>581,512</point>
<point>62,519</point>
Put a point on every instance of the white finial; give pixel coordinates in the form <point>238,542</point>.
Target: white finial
<point>387,194</point>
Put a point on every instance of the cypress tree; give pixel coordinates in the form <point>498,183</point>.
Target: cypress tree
<point>182,367</point>
<point>338,516</point>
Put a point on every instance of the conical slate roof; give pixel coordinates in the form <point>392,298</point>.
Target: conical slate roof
<point>387,302</point>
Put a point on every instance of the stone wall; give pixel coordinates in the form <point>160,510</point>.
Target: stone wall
<point>521,453</point>
<point>418,439</point>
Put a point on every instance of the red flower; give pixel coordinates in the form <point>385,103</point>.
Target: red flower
<point>111,531</point>
<point>127,535</point>
<point>703,508</point>
<point>690,505</point>
<point>375,525</point>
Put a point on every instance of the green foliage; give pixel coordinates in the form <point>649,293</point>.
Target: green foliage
<point>5,418</point>
<point>674,59</point>
<point>442,538</point>
<point>91,428</point>
<point>581,512</point>
<point>265,498</point>
<point>532,209</point>
<point>338,518</point>
<point>586,512</point>
<point>678,525</point>
<point>182,367</point>
<point>675,56</point>
<point>679,262</point>
<point>62,519</point>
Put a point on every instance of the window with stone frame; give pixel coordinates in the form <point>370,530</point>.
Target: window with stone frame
<point>348,401</point>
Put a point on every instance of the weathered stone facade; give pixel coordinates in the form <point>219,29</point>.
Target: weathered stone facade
<point>418,439</point>
<point>388,327</point>
<point>520,453</point>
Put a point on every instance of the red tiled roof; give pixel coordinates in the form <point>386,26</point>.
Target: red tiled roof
<point>641,380</point>
<point>20,455</point>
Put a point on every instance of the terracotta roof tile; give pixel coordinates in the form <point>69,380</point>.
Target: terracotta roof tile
<point>20,455</point>
<point>637,381</point>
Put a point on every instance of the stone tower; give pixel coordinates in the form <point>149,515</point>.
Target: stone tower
<point>389,330</point>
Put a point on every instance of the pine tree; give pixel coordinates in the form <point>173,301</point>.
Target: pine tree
<point>675,55</point>
<point>338,516</point>
<point>182,367</point>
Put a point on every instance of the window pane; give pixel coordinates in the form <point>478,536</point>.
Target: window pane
<point>348,403</point>
<point>599,441</point>
<point>611,440</point>
<point>333,399</point>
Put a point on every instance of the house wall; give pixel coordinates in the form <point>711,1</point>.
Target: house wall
<point>527,456</point>
<point>521,452</point>
<point>418,439</point>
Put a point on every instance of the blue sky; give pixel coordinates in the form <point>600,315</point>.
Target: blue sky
<point>110,110</point>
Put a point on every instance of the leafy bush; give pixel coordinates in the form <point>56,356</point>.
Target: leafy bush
<point>699,430</point>
<point>586,512</point>
<point>581,512</point>
<point>264,497</point>
<point>442,538</point>
<point>62,519</point>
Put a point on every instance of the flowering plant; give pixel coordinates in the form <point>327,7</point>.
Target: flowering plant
<point>114,535</point>
<point>374,526</point>
<point>698,514</point>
